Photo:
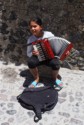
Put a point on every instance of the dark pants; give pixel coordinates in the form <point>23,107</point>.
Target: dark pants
<point>33,62</point>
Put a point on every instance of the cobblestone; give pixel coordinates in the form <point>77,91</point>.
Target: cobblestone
<point>68,111</point>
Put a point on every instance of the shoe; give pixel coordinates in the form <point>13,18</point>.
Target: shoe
<point>59,83</point>
<point>40,85</point>
<point>33,84</point>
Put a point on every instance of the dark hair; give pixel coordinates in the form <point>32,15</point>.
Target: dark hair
<point>37,20</point>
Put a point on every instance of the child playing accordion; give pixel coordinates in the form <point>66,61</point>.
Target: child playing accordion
<point>37,55</point>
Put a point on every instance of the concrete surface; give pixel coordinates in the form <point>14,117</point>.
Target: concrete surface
<point>68,111</point>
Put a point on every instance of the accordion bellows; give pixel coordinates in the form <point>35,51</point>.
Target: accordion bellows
<point>60,47</point>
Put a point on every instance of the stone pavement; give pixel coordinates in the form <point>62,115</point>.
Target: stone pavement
<point>68,111</point>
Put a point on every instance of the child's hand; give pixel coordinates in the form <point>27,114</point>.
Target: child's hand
<point>35,52</point>
<point>67,54</point>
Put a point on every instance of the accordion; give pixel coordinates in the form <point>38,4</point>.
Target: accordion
<point>52,47</point>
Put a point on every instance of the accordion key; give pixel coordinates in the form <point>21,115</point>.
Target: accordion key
<point>44,48</point>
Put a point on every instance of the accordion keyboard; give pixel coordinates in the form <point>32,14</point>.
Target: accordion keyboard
<point>41,55</point>
<point>45,51</point>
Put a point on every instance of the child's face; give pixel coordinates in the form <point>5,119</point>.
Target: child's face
<point>35,29</point>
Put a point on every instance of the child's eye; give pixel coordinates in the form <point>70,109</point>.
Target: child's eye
<point>31,27</point>
<point>35,26</point>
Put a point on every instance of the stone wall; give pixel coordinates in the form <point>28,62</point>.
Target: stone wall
<point>64,18</point>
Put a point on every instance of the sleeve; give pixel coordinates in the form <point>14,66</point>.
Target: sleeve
<point>29,49</point>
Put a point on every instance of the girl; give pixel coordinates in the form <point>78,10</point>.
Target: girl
<point>36,29</point>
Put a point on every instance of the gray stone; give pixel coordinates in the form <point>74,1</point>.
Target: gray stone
<point>10,105</point>
<point>1,113</point>
<point>13,98</point>
<point>75,109</point>
<point>71,98</point>
<point>10,120</point>
<point>31,114</point>
<point>49,112</point>
<point>76,122</point>
<point>11,112</point>
<point>82,68</point>
<point>3,97</point>
<point>54,124</point>
<point>77,104</point>
<point>61,100</point>
<point>5,123</point>
<point>66,64</point>
<point>67,115</point>
<point>40,124</point>
<point>12,16</point>
<point>78,95</point>
<point>2,104</point>
<point>63,94</point>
